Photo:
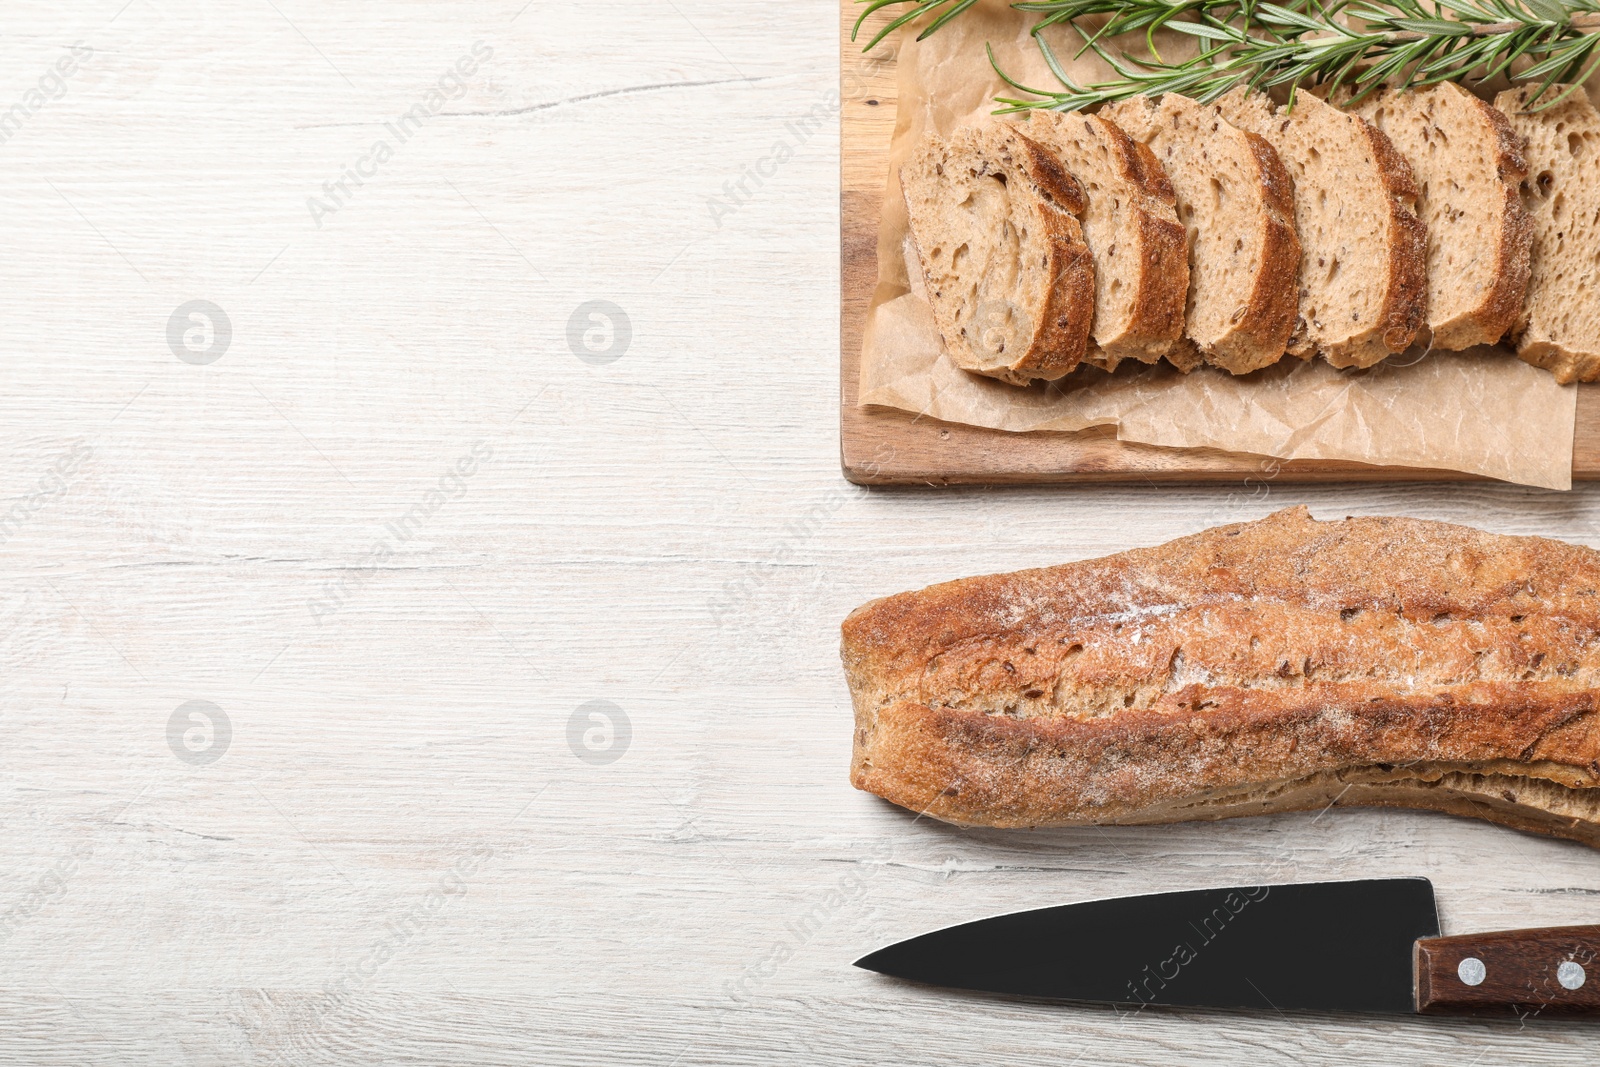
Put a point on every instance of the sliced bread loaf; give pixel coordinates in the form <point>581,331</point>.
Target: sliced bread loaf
<point>1237,202</point>
<point>995,222</point>
<point>1131,226</point>
<point>1560,324</point>
<point>1363,251</point>
<point>1468,165</point>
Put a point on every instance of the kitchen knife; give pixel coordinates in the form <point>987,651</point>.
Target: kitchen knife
<point>1370,946</point>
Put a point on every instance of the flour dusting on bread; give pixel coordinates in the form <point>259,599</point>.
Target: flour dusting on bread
<point>1266,666</point>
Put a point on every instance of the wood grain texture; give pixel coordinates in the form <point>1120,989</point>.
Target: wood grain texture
<point>400,857</point>
<point>883,446</point>
<point>1524,972</point>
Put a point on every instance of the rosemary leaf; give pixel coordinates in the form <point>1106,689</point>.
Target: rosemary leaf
<point>1333,44</point>
<point>1549,10</point>
<point>1432,27</point>
<point>933,26</point>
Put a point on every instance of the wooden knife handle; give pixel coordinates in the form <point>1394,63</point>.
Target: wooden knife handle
<point>1530,972</point>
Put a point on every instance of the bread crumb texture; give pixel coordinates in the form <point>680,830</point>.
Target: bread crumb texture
<point>1363,266</point>
<point>1560,326</point>
<point>1236,202</point>
<point>1132,230</point>
<point>995,224</point>
<point>1468,166</point>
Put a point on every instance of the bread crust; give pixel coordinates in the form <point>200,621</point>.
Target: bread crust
<point>1500,303</point>
<point>1501,306</point>
<point>1405,307</point>
<point>1258,332</point>
<point>1164,268</point>
<point>1571,358</point>
<point>1060,327</point>
<point>1161,287</point>
<point>1275,300</point>
<point>1266,666</point>
<point>1522,803</point>
<point>1062,331</point>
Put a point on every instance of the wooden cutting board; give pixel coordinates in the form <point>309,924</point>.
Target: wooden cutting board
<point>880,446</point>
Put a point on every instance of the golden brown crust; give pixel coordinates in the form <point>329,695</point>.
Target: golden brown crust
<point>1274,305</point>
<point>1501,306</point>
<point>1058,330</point>
<point>1405,311</point>
<point>1062,337</point>
<point>1164,287</point>
<point>1483,311</point>
<point>1144,169</point>
<point>1163,281</point>
<point>1046,171</point>
<point>1266,666</point>
<point>1145,205</point>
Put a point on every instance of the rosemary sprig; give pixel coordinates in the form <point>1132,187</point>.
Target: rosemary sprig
<point>1363,43</point>
<point>919,8</point>
<point>1125,16</point>
<point>1130,17</point>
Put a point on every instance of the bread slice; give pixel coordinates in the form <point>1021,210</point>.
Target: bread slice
<point>1237,202</point>
<point>995,222</point>
<point>1468,165</point>
<point>1140,262</point>
<point>1265,666</point>
<point>1363,251</point>
<point>1559,329</point>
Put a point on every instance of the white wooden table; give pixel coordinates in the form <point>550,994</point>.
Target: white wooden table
<point>397,513</point>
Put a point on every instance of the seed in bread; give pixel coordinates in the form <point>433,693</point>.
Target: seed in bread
<point>1468,165</point>
<point>1363,258</point>
<point>1237,202</point>
<point>995,222</point>
<point>1131,225</point>
<point>1275,665</point>
<point>1560,324</point>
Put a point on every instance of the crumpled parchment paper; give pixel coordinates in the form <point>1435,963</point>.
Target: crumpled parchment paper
<point>1483,411</point>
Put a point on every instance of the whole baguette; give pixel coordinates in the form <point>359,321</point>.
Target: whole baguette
<point>1279,665</point>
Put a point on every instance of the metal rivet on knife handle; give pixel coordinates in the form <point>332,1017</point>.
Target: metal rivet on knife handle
<point>1533,973</point>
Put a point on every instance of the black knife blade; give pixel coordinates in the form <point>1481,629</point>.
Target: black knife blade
<point>1332,946</point>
